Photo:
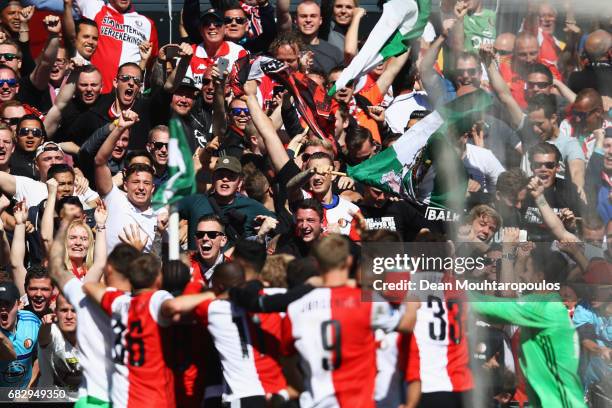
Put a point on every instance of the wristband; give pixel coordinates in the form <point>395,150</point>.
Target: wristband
<point>116,122</point>
<point>100,227</point>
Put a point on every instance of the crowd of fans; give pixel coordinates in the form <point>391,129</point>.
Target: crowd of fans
<point>266,305</point>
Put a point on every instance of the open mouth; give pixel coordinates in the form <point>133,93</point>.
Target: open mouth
<point>4,318</point>
<point>139,195</point>
<point>89,48</point>
<point>30,143</point>
<point>38,302</point>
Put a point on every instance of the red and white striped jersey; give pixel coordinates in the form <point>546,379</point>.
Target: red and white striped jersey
<point>120,34</point>
<point>333,331</point>
<point>201,61</point>
<point>140,376</point>
<point>229,329</point>
<point>438,354</point>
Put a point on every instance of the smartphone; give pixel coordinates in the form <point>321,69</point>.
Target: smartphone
<point>278,89</point>
<point>222,64</point>
<point>172,52</point>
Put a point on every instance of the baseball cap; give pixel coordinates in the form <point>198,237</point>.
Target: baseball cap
<point>230,163</point>
<point>5,3</point>
<point>188,82</point>
<point>48,147</point>
<point>211,13</point>
<point>9,292</point>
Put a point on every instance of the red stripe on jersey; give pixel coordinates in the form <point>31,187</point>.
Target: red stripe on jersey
<point>356,356</point>
<point>108,298</point>
<point>266,333</point>
<point>287,344</point>
<point>108,54</point>
<point>413,366</point>
<point>457,350</point>
<point>150,381</point>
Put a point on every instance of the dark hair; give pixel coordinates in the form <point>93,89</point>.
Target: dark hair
<point>356,136</point>
<point>138,153</point>
<point>138,167</point>
<point>309,204</point>
<point>542,101</point>
<point>511,182</point>
<point>538,68</point>
<point>288,38</point>
<point>59,168</point>
<point>121,256</point>
<point>144,270</point>
<point>31,116</point>
<point>226,276</point>
<point>83,21</point>
<point>36,271</point>
<point>256,185</point>
<point>175,276</point>
<point>465,55</point>
<point>211,218</point>
<point>299,270</point>
<point>88,69</point>
<point>406,78</point>
<point>592,221</point>
<point>552,264</point>
<point>544,148</point>
<point>321,155</point>
<point>73,200</point>
<point>419,114</point>
<point>251,252</point>
<point>129,64</point>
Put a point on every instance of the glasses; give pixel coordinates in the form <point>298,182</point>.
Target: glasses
<point>238,20</point>
<point>486,261</point>
<point>126,78</point>
<point>61,62</point>
<point>159,145</point>
<point>582,116</point>
<point>36,132</point>
<point>209,234</point>
<point>539,85</point>
<point>306,157</point>
<point>11,121</point>
<point>216,23</point>
<point>8,56</point>
<point>10,82</point>
<point>239,111</point>
<point>463,71</point>
<point>503,52</point>
<point>549,165</point>
<point>206,81</point>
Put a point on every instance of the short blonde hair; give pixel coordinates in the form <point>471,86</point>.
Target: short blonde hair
<point>274,270</point>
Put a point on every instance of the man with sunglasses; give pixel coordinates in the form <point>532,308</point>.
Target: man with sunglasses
<point>598,72</point>
<point>117,45</point>
<point>238,117</point>
<point>213,47</point>
<point>237,28</point>
<point>157,145</point>
<point>210,240</point>
<point>561,194</point>
<point>30,134</point>
<point>9,83</point>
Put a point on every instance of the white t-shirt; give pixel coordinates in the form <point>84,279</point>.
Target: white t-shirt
<point>59,364</point>
<point>36,191</point>
<point>94,338</point>
<point>121,213</point>
<point>483,161</point>
<point>398,113</point>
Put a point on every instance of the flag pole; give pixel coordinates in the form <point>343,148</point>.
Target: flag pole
<point>173,235</point>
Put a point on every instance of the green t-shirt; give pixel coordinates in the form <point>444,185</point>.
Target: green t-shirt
<point>549,345</point>
<point>479,29</point>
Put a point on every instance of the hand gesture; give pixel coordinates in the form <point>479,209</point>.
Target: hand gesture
<point>49,318</point>
<point>4,202</point>
<point>306,61</point>
<point>478,134</point>
<point>473,186</point>
<point>53,24</point>
<point>20,212</point>
<point>100,214</point>
<point>81,185</point>
<point>487,53</point>
<point>267,224</point>
<point>359,12</point>
<point>52,186</point>
<point>145,48</point>
<point>250,88</point>
<point>524,249</point>
<point>377,113</point>
<point>568,218</point>
<point>131,236</point>
<point>511,235</point>
<point>127,119</point>
<point>461,8</point>
<point>324,170</point>
<point>345,183</point>
<point>185,50</point>
<point>162,222</point>
<point>535,187</point>
<point>217,76</point>
<point>26,14</point>
<point>570,247</point>
<point>571,27</point>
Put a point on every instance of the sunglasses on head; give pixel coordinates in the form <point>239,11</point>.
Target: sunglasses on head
<point>539,85</point>
<point>469,71</point>
<point>8,56</point>
<point>549,165</point>
<point>238,111</point>
<point>10,82</point>
<point>209,234</point>
<point>36,132</point>
<point>10,121</point>
<point>238,20</point>
<point>159,145</point>
<point>126,78</point>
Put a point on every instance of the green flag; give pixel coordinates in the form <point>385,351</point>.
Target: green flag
<point>181,181</point>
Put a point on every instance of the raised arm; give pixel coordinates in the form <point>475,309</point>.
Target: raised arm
<point>5,248</point>
<point>393,68</point>
<point>95,291</point>
<point>265,127</point>
<point>104,180</point>
<point>66,92</point>
<point>178,73</point>
<point>40,75</point>
<point>94,274</point>
<point>57,268</point>
<point>283,17</point>
<point>184,304</point>
<point>219,119</point>
<point>536,188</point>
<point>68,23</point>
<point>352,35</point>
<point>46,225</point>
<point>499,85</point>
<point>457,32</point>
<point>18,246</point>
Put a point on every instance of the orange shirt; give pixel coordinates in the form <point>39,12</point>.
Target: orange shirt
<point>375,97</point>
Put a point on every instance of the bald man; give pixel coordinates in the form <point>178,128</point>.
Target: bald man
<point>504,47</point>
<point>598,72</point>
<point>526,53</point>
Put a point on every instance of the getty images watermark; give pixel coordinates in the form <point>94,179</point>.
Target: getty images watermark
<point>392,271</point>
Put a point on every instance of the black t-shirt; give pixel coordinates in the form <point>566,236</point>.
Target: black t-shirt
<point>233,143</point>
<point>326,56</point>
<point>597,76</point>
<point>562,194</point>
<point>398,216</point>
<point>28,93</point>
<point>22,164</point>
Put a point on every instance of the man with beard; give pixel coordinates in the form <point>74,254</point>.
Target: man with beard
<point>307,230</point>
<point>30,134</point>
<point>157,145</point>
<point>58,359</point>
<point>237,212</point>
<point>20,327</point>
<point>111,52</point>
<point>210,239</point>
